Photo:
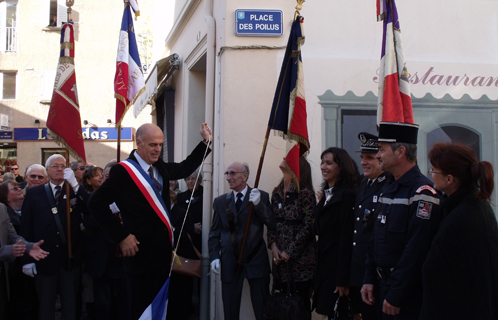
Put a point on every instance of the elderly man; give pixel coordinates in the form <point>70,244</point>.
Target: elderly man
<point>407,219</point>
<point>139,187</point>
<point>44,217</point>
<point>371,185</point>
<point>35,175</point>
<point>225,237</point>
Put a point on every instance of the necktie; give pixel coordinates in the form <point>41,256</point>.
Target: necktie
<point>57,194</point>
<point>369,183</point>
<point>151,174</point>
<point>238,204</point>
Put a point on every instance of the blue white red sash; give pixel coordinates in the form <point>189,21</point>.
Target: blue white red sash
<point>150,192</point>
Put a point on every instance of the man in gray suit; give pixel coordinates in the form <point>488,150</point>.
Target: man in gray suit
<point>225,238</point>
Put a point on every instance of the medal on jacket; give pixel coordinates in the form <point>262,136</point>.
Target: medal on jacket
<point>54,210</point>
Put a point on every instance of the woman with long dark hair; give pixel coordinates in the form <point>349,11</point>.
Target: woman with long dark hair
<point>334,223</point>
<point>291,244</point>
<point>460,273</point>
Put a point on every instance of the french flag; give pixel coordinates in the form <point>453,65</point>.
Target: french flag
<point>395,103</point>
<point>158,308</point>
<point>129,81</point>
<point>288,114</point>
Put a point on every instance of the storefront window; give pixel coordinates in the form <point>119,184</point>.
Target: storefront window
<point>47,152</point>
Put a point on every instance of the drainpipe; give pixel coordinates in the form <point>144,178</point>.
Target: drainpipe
<point>208,164</point>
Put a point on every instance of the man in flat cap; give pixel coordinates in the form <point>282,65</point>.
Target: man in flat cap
<point>372,183</point>
<point>407,219</point>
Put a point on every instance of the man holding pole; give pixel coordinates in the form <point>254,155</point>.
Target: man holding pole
<point>139,186</point>
<point>44,216</point>
<point>225,239</point>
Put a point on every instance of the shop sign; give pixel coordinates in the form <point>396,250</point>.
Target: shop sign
<point>255,22</point>
<point>6,135</point>
<point>90,133</point>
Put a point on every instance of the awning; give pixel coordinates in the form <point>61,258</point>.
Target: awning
<point>162,71</point>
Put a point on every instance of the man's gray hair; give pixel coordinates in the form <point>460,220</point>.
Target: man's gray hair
<point>52,158</point>
<point>36,166</point>
<point>9,176</point>
<point>411,150</point>
<point>245,168</point>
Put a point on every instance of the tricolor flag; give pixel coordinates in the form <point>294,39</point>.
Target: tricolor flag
<point>395,103</point>
<point>288,113</point>
<point>64,120</point>
<point>158,308</point>
<point>129,80</point>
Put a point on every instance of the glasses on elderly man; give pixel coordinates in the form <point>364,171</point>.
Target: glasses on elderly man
<point>35,176</point>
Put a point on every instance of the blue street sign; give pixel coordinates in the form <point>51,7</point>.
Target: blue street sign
<point>90,133</point>
<point>255,22</point>
<point>5,134</point>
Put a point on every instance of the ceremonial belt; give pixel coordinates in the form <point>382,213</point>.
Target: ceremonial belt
<point>149,191</point>
<point>55,212</point>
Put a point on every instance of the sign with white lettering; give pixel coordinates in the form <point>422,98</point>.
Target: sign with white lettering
<point>6,135</point>
<point>255,22</point>
<point>90,133</point>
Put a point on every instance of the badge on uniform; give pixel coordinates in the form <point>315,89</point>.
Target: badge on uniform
<point>280,206</point>
<point>424,210</point>
<point>383,219</point>
<point>54,210</point>
<point>375,199</point>
<point>73,201</point>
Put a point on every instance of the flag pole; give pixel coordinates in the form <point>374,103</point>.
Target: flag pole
<point>118,157</point>
<point>69,4</point>
<point>258,175</point>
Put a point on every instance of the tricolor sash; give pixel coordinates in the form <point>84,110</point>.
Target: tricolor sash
<point>150,192</point>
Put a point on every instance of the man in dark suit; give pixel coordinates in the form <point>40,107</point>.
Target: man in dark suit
<point>225,238</point>
<point>365,210</point>
<point>144,239</point>
<point>44,217</point>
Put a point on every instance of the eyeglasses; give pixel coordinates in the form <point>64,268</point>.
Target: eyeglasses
<point>34,176</point>
<point>58,166</point>
<point>14,168</point>
<point>431,171</point>
<point>81,168</point>
<point>232,173</point>
<point>16,189</point>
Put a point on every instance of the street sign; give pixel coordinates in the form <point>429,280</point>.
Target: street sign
<point>256,22</point>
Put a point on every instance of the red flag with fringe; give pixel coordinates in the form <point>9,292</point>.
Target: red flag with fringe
<point>64,120</point>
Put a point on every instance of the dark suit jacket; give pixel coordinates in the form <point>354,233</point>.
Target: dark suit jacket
<point>220,243</point>
<point>138,217</point>
<point>38,222</point>
<point>365,213</point>
<point>334,227</point>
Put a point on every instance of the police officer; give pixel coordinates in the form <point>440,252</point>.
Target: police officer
<point>407,220</point>
<point>371,185</point>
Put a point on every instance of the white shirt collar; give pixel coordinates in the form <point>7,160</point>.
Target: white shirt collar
<point>244,191</point>
<point>142,162</point>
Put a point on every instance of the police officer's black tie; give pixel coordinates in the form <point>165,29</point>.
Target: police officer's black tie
<point>151,174</point>
<point>57,194</point>
<point>239,201</point>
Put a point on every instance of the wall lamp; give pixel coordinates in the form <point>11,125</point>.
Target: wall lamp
<point>85,122</point>
<point>37,121</point>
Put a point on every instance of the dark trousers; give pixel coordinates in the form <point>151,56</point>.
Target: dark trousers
<point>142,289</point>
<point>180,297</point>
<point>232,293</point>
<point>66,284</point>
<point>110,298</point>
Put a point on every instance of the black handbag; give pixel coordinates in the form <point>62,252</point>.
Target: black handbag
<point>342,309</point>
<point>288,305</point>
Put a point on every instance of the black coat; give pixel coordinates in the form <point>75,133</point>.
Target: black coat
<point>460,273</point>
<point>38,222</point>
<point>194,212</point>
<point>138,216</point>
<point>365,214</point>
<point>334,226</point>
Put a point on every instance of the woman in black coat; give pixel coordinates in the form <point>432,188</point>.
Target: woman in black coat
<point>334,223</point>
<point>460,273</point>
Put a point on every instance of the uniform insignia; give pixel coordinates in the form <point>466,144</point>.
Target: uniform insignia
<point>383,219</point>
<point>54,210</point>
<point>363,139</point>
<point>187,201</point>
<point>424,210</point>
<point>426,187</point>
<point>72,201</point>
<point>375,199</point>
<point>380,179</point>
<point>64,197</point>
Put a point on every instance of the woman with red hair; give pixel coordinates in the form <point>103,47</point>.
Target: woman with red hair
<point>460,274</point>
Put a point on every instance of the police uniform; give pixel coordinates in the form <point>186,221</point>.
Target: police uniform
<point>407,220</point>
<point>365,212</point>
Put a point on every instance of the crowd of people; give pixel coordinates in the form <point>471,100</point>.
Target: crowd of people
<point>383,243</point>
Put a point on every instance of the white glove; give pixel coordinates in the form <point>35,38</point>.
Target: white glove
<point>255,196</point>
<point>30,268</point>
<point>70,178</point>
<point>114,208</point>
<point>215,266</point>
